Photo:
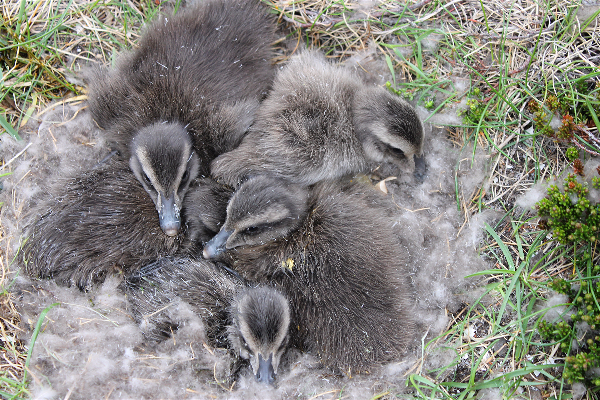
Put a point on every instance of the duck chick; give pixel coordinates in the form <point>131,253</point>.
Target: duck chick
<point>333,253</point>
<point>321,122</point>
<point>102,221</point>
<point>185,95</point>
<point>260,329</point>
<point>253,321</point>
<point>165,170</point>
<point>205,212</point>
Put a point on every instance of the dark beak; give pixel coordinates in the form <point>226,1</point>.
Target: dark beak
<point>170,221</point>
<point>265,373</point>
<point>420,169</point>
<point>216,245</point>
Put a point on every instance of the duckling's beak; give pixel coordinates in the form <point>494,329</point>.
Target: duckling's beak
<point>420,169</point>
<point>265,373</point>
<point>168,215</point>
<point>216,245</point>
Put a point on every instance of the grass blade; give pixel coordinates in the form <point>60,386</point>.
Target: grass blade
<point>36,331</point>
<point>9,128</point>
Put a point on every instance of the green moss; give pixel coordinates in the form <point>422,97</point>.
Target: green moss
<point>554,104</point>
<point>567,128</point>
<point>577,366</point>
<point>584,300</point>
<point>476,110</point>
<point>587,302</point>
<point>541,119</point>
<point>569,213</point>
<point>572,154</point>
<point>405,93</point>
<point>575,221</point>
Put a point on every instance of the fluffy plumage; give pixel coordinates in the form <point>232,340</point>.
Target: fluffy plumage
<point>165,169</point>
<point>259,329</point>
<point>102,221</point>
<point>252,321</point>
<point>202,73</point>
<point>321,122</point>
<point>332,251</point>
<point>205,212</point>
<point>204,68</point>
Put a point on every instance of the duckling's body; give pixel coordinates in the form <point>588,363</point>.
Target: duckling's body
<point>252,321</point>
<point>200,73</point>
<point>205,68</point>
<point>100,221</point>
<point>321,122</point>
<point>334,255</point>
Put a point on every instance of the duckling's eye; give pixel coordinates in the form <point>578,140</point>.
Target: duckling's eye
<point>184,179</point>
<point>252,229</point>
<point>147,179</point>
<point>245,349</point>
<point>396,152</point>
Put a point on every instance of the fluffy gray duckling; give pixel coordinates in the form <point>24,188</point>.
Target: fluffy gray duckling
<point>102,221</point>
<point>253,321</point>
<point>333,253</point>
<point>187,94</point>
<point>320,121</point>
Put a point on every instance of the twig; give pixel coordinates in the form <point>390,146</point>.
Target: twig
<point>16,156</point>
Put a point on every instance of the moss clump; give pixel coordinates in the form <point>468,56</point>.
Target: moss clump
<point>572,154</point>
<point>578,365</point>
<point>541,119</point>
<point>567,128</point>
<point>578,109</point>
<point>556,105</point>
<point>575,221</point>
<point>476,110</point>
<point>559,332</point>
<point>569,212</point>
<point>587,302</point>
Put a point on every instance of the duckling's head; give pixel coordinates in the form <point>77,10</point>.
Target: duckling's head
<point>259,330</point>
<point>164,161</point>
<point>262,210</point>
<point>388,127</point>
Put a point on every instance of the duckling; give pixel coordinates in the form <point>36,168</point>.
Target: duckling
<point>251,320</point>
<point>185,95</point>
<point>260,329</point>
<point>321,122</point>
<point>102,221</point>
<point>165,169</point>
<point>206,210</point>
<point>333,253</point>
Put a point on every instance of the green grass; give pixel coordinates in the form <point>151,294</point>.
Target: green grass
<point>498,94</point>
<point>18,389</point>
<point>43,42</point>
<point>11,388</point>
<point>496,104</point>
<point>507,352</point>
<point>503,343</point>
